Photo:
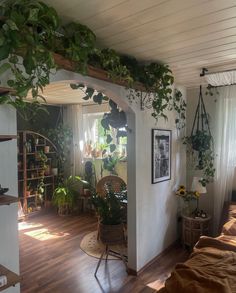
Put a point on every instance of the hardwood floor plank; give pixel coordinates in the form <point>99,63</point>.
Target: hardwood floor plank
<point>56,264</point>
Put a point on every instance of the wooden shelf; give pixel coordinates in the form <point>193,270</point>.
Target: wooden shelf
<point>7,137</point>
<point>36,178</point>
<point>29,196</point>
<point>12,278</point>
<point>30,154</point>
<point>31,170</point>
<point>7,199</point>
<point>35,169</point>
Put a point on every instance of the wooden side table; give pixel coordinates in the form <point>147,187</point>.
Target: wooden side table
<point>193,228</point>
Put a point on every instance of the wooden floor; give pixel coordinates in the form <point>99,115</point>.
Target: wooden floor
<point>51,260</point>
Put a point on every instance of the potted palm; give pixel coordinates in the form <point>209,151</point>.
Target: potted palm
<point>66,194</point>
<point>110,212</point>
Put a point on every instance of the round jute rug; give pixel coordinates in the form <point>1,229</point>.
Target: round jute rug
<point>94,247</point>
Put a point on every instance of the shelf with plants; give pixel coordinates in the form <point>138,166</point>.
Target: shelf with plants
<point>36,173</point>
<point>12,278</point>
<point>7,199</point>
<point>7,137</point>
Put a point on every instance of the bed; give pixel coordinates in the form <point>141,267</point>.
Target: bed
<point>211,267</point>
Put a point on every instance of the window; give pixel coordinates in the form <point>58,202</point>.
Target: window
<point>95,138</point>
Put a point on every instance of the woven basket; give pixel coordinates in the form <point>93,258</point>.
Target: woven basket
<point>111,234</point>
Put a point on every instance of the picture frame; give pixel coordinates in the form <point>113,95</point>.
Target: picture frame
<point>161,155</point>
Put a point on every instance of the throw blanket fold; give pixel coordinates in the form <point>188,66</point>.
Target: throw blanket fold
<point>210,268</point>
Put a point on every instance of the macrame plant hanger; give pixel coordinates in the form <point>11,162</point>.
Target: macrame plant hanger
<point>200,129</point>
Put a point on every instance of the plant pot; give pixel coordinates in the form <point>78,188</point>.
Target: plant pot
<point>47,171</point>
<point>55,171</point>
<point>111,234</point>
<point>87,192</point>
<point>46,149</point>
<point>64,210</point>
<point>41,173</point>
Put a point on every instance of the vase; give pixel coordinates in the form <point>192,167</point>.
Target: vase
<point>187,211</point>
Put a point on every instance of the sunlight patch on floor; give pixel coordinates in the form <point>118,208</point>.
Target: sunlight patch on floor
<point>27,225</point>
<point>44,234</point>
<point>156,284</point>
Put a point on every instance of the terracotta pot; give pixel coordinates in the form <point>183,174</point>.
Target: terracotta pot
<point>111,234</point>
<point>55,171</point>
<point>46,149</point>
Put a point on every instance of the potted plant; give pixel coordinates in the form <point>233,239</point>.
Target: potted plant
<point>54,166</point>
<point>109,164</point>
<point>110,212</point>
<point>66,194</point>
<point>28,190</point>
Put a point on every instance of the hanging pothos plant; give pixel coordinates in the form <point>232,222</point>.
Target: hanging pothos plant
<point>200,145</point>
<point>30,34</point>
<point>115,119</point>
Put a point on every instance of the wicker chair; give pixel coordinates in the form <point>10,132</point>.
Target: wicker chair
<point>109,183</point>
<point>115,184</point>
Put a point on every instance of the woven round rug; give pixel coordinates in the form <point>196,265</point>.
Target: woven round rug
<point>93,247</point>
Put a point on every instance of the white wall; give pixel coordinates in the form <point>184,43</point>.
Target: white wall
<point>152,209</point>
<point>9,251</point>
<point>157,204</point>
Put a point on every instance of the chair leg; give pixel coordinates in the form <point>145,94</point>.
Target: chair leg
<point>99,262</point>
<point>123,259</point>
<point>98,235</point>
<point>107,251</point>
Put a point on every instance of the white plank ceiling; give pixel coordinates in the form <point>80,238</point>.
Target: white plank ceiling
<point>186,34</point>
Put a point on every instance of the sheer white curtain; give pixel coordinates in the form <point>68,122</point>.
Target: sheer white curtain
<point>225,148</point>
<point>73,117</point>
<point>91,134</point>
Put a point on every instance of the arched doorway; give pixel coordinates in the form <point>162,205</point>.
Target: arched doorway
<point>118,95</point>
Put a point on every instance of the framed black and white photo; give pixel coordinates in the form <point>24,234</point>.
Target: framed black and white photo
<point>161,155</point>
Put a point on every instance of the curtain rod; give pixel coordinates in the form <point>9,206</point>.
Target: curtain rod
<point>205,71</point>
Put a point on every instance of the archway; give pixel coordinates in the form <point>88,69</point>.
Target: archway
<point>118,95</point>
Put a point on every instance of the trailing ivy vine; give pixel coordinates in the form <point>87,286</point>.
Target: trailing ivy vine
<point>116,118</point>
<point>31,31</point>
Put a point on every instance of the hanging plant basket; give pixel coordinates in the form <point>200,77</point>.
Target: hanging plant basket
<point>201,141</point>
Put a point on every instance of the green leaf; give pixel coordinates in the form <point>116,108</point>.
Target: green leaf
<point>13,59</point>
<point>95,99</point>
<point>29,63</point>
<point>33,14</point>
<point>99,98</point>
<point>2,39</point>
<point>89,91</point>
<point>12,25</point>
<point>4,99</point>
<point>109,139</point>
<point>86,98</point>
<point>10,83</point>
<point>112,104</point>
<point>112,148</point>
<point>4,51</point>
<point>105,124</point>
<point>74,86</point>
<point>4,67</point>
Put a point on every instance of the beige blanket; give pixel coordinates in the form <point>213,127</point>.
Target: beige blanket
<point>210,268</point>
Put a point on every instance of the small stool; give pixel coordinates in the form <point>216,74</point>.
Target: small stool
<point>109,242</point>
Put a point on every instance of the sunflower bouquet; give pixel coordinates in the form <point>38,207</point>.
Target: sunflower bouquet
<point>187,195</point>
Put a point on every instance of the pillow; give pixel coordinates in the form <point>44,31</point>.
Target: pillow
<point>229,228</point>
